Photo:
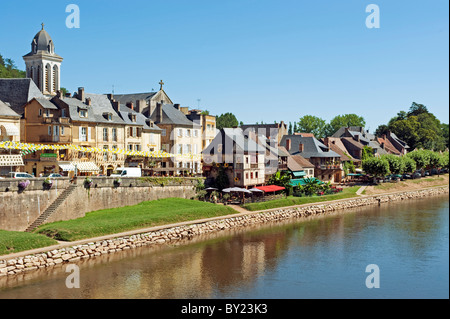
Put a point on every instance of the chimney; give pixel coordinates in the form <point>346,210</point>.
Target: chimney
<point>159,112</point>
<point>130,105</point>
<point>288,144</point>
<point>382,145</point>
<point>67,94</point>
<point>80,94</point>
<point>384,136</point>
<point>110,97</point>
<point>177,106</point>
<point>88,101</point>
<point>115,105</point>
<point>140,104</point>
<point>59,94</point>
<point>326,141</point>
<point>300,147</point>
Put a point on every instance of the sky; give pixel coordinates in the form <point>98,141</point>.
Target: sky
<point>262,60</point>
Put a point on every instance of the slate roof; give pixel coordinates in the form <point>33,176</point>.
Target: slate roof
<point>101,105</point>
<point>233,140</point>
<point>141,119</point>
<point>303,162</point>
<point>5,110</point>
<point>17,92</point>
<point>171,115</point>
<point>126,98</point>
<point>311,147</point>
<point>46,104</point>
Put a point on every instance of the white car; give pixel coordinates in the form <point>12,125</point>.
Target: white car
<point>20,175</point>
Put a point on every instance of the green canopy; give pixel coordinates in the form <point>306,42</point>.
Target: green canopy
<point>299,173</point>
<point>302,181</point>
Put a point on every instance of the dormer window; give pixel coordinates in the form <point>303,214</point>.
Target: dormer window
<point>82,113</point>
<point>132,117</point>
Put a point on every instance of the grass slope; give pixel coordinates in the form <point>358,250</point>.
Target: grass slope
<point>146,214</point>
<point>15,241</point>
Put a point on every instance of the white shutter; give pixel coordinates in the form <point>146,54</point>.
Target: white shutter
<point>195,149</point>
<point>89,134</point>
<point>80,133</point>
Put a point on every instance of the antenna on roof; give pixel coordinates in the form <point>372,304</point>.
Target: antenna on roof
<point>198,103</point>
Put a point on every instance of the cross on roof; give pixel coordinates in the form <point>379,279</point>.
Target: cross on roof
<point>161,83</point>
<point>42,24</point>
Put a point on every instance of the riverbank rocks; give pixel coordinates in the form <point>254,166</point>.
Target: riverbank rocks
<point>49,259</point>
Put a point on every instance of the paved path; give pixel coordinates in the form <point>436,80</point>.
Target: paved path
<point>360,190</point>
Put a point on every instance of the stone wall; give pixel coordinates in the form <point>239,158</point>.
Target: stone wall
<point>164,235</point>
<point>19,209</point>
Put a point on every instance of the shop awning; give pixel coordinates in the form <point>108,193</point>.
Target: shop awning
<point>299,173</point>
<point>11,160</point>
<point>270,188</point>
<point>303,181</point>
<point>67,167</point>
<point>10,129</point>
<point>86,166</point>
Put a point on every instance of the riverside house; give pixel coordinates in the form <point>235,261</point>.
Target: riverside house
<point>327,163</point>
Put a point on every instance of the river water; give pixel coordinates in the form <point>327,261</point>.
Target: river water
<point>321,257</point>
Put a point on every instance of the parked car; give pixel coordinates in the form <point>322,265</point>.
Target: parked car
<point>444,171</point>
<point>53,175</point>
<point>20,175</point>
<point>407,176</point>
<point>127,172</point>
<point>417,174</point>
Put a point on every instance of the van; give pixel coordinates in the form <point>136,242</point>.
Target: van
<point>127,172</point>
<point>20,175</point>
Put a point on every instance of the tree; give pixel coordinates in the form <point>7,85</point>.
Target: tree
<point>420,157</point>
<point>290,129</point>
<point>345,120</point>
<point>409,164</point>
<point>396,164</point>
<point>9,70</point>
<point>376,167</point>
<point>280,178</point>
<point>295,129</point>
<point>366,153</point>
<point>417,109</point>
<point>312,124</point>
<point>226,120</point>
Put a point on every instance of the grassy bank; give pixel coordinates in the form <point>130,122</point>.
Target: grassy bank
<point>146,214</point>
<point>408,185</point>
<point>14,241</point>
<point>291,200</point>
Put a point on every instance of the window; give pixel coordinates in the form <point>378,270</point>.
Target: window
<point>180,132</point>
<point>130,147</point>
<point>251,175</point>
<point>49,130</point>
<point>109,117</point>
<point>179,150</point>
<point>188,133</point>
<point>133,118</point>
<point>114,155</point>
<point>63,113</point>
<point>163,132</point>
<point>62,130</point>
<point>105,153</point>
<point>105,135</point>
<point>40,112</point>
<point>83,113</point>
<point>256,174</point>
<point>114,134</point>
<point>246,175</point>
<point>83,131</point>
<point>195,133</point>
<point>47,113</point>
<point>137,147</point>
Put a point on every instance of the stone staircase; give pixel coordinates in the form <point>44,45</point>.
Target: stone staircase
<point>52,208</point>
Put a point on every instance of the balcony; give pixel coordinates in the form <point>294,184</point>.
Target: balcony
<point>63,120</point>
<point>328,166</point>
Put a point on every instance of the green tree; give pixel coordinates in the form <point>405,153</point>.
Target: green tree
<point>409,164</point>
<point>421,158</point>
<point>396,164</point>
<point>8,69</point>
<point>345,120</point>
<point>281,178</point>
<point>366,153</point>
<point>312,124</point>
<point>290,129</point>
<point>376,166</point>
<point>226,120</point>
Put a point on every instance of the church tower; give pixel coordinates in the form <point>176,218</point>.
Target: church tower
<point>43,65</point>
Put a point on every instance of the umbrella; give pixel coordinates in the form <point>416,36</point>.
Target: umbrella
<point>256,190</point>
<point>211,189</point>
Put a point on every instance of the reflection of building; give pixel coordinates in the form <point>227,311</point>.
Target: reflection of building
<point>10,160</point>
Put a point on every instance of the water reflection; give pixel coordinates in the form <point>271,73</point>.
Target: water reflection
<point>318,257</point>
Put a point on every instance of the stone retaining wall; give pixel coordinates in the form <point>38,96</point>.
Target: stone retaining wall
<point>13,266</point>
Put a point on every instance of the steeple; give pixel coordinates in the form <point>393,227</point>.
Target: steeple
<point>43,64</point>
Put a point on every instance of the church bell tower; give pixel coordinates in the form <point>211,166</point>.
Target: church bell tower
<point>43,65</point>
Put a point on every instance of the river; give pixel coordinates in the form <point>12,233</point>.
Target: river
<point>321,257</point>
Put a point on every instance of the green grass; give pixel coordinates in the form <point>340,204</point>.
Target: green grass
<point>291,200</point>
<point>14,241</point>
<point>146,214</point>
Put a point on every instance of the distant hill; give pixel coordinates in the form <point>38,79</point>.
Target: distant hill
<point>9,70</point>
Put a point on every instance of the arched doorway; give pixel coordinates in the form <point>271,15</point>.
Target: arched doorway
<point>109,170</point>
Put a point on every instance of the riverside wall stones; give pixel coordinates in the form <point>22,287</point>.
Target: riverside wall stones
<point>176,235</point>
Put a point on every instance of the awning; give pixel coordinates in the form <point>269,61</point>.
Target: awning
<point>10,129</point>
<point>67,167</point>
<point>299,173</point>
<point>303,181</point>
<point>86,166</point>
<point>11,160</point>
<point>270,188</point>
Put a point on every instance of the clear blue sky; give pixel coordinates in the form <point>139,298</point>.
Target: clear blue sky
<point>261,60</point>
